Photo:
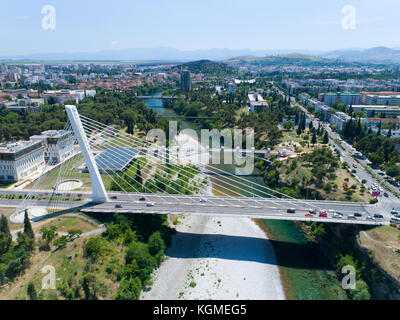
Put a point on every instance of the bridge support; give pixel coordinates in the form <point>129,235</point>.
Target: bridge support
<point>99,192</point>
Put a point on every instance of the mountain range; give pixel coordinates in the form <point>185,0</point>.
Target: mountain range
<point>372,55</point>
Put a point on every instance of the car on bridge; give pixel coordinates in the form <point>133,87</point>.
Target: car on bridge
<point>291,211</point>
<point>118,205</point>
<point>337,215</point>
<point>309,214</point>
<point>357,214</point>
<point>150,204</point>
<point>142,199</point>
<point>351,217</point>
<point>378,216</point>
<point>323,214</point>
<point>203,200</point>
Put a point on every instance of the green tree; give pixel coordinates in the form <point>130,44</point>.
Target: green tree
<point>129,289</point>
<point>48,234</point>
<point>94,247</point>
<point>156,243</point>
<point>361,292</point>
<point>61,242</point>
<point>31,291</point>
<point>28,227</point>
<point>326,138</point>
<point>288,125</point>
<point>314,139</point>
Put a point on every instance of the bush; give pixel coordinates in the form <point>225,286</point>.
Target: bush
<point>129,289</point>
<point>156,243</point>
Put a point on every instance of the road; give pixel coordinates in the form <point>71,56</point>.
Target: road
<point>346,152</point>
<point>218,206</point>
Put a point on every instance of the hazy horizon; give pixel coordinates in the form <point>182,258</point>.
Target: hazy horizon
<point>258,25</point>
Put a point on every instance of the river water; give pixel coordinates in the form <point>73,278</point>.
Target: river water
<point>305,273</point>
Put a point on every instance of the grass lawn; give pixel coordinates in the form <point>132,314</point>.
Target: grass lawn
<point>384,241</point>
<point>65,224</point>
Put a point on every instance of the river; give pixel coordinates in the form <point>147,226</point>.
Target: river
<point>305,273</point>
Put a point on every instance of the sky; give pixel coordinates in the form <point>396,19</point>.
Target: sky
<point>89,25</point>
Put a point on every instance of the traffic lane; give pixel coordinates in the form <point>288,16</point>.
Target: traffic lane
<point>262,213</point>
<point>348,208</point>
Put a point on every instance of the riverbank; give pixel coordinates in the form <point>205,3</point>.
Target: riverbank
<point>218,258</point>
<point>306,274</point>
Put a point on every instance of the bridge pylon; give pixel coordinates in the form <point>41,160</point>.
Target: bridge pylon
<point>99,194</point>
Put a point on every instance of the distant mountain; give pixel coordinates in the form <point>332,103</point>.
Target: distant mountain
<point>374,55</point>
<point>150,54</point>
<point>140,54</point>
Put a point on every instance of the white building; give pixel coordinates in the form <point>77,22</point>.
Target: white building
<point>21,159</point>
<point>342,97</point>
<point>339,119</point>
<point>389,100</point>
<point>66,94</point>
<point>58,145</point>
<point>256,101</point>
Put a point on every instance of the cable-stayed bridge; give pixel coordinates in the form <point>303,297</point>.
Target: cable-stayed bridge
<point>148,179</point>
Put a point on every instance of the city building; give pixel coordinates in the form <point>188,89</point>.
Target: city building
<point>58,145</point>
<point>324,110</point>
<point>186,82</point>
<point>21,159</point>
<point>256,101</point>
<point>384,132</point>
<point>372,111</point>
<point>375,122</point>
<point>381,97</point>
<point>342,97</point>
<point>339,119</point>
<point>388,100</point>
<point>64,95</point>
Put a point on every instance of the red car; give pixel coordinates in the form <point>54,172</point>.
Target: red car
<point>323,214</point>
<point>309,214</point>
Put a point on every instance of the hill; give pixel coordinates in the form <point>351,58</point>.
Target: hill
<point>382,55</point>
<point>207,67</point>
<point>294,59</point>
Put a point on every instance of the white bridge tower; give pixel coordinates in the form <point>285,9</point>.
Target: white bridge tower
<point>98,189</point>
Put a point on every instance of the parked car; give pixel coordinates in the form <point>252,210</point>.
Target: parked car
<point>291,211</point>
<point>385,194</point>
